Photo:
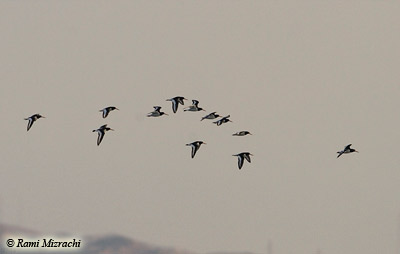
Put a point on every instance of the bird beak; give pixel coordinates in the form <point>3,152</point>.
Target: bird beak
<point>204,143</point>
<point>43,117</point>
<point>250,133</point>
<point>166,114</point>
<point>117,108</point>
<point>111,129</point>
<point>251,154</point>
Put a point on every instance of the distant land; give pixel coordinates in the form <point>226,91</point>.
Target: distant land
<point>101,244</point>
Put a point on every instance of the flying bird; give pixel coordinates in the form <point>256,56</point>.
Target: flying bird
<point>241,133</point>
<point>242,157</point>
<point>194,106</point>
<point>32,119</point>
<point>210,116</point>
<point>347,149</point>
<point>195,146</point>
<point>223,120</point>
<point>156,112</point>
<point>107,110</point>
<point>101,132</point>
<point>175,102</point>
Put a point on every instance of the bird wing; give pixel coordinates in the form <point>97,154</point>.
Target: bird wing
<point>29,123</point>
<point>195,102</point>
<point>339,154</point>
<point>240,161</point>
<point>194,149</point>
<point>247,157</point>
<point>157,108</point>
<point>174,105</point>
<point>100,137</point>
<point>347,147</point>
<point>105,112</point>
<point>180,100</point>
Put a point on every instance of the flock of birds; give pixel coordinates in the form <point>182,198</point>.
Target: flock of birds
<point>212,116</point>
<point>194,108</point>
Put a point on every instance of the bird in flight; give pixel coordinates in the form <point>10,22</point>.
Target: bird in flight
<point>223,120</point>
<point>32,119</point>
<point>107,110</point>
<point>242,157</point>
<point>210,116</point>
<point>175,102</point>
<point>156,112</point>
<point>194,106</point>
<point>241,133</point>
<point>195,146</point>
<point>347,149</point>
<point>101,132</point>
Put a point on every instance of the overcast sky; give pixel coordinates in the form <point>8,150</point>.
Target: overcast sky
<point>305,78</point>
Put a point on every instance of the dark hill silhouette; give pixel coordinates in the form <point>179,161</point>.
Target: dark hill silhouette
<point>103,244</point>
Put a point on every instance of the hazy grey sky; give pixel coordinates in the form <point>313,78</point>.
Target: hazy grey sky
<point>306,78</point>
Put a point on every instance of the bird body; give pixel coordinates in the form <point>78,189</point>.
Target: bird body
<point>176,101</point>
<point>32,119</point>
<point>224,119</point>
<point>101,132</point>
<point>347,149</point>
<point>195,147</point>
<point>107,110</point>
<point>156,112</point>
<point>241,157</point>
<point>194,107</point>
<point>242,133</point>
<point>210,116</point>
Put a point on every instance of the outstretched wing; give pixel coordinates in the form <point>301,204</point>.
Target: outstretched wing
<point>174,106</point>
<point>247,157</point>
<point>157,108</point>
<point>240,161</point>
<point>347,147</point>
<point>105,112</point>
<point>180,100</point>
<point>194,150</point>
<point>29,123</point>
<point>100,137</point>
<point>195,102</point>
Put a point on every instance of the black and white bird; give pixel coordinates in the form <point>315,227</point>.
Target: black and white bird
<point>242,157</point>
<point>32,119</point>
<point>101,132</point>
<point>107,110</point>
<point>194,106</point>
<point>176,101</point>
<point>195,146</point>
<point>224,119</point>
<point>347,149</point>
<point>241,133</point>
<point>156,112</point>
<point>210,116</point>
